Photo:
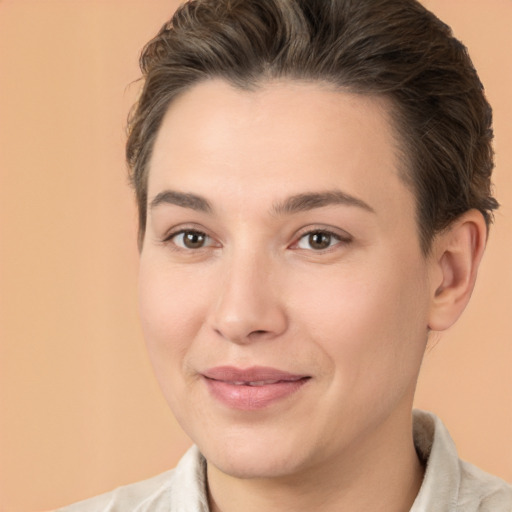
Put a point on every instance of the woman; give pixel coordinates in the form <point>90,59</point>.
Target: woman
<point>313,184</point>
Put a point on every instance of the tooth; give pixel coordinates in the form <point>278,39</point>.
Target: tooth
<point>262,382</point>
<point>258,382</point>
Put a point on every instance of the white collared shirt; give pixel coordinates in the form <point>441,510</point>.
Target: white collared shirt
<point>449,485</point>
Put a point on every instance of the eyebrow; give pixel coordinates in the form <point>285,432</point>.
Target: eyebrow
<point>185,200</point>
<point>311,200</point>
<point>293,204</point>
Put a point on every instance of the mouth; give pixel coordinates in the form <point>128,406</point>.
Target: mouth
<point>260,382</point>
<point>251,388</point>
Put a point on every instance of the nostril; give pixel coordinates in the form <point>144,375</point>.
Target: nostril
<point>258,333</point>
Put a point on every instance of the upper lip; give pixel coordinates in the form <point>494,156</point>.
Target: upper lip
<point>252,374</point>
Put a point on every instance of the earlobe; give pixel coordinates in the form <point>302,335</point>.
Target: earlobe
<point>456,256</point>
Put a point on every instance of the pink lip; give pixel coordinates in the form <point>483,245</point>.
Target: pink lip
<point>251,388</point>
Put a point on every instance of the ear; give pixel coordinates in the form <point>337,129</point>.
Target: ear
<point>456,255</point>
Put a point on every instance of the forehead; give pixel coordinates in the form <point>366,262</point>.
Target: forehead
<point>283,138</point>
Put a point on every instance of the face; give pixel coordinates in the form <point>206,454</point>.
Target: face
<point>283,293</point>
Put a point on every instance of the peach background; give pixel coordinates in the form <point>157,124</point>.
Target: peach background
<point>79,410</point>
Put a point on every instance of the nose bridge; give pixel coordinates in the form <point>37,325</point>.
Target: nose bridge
<point>248,304</point>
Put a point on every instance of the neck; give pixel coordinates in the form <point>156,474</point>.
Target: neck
<point>382,473</point>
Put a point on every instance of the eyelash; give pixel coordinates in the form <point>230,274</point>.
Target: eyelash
<point>331,236</point>
<point>171,238</point>
<point>337,238</point>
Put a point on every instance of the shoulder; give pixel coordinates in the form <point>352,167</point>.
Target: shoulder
<point>168,492</point>
<point>127,497</point>
<point>450,484</point>
<point>491,493</point>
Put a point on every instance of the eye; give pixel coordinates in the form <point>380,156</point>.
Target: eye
<point>319,240</point>
<point>190,239</point>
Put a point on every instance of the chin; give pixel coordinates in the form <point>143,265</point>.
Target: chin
<point>255,456</point>
<point>245,466</point>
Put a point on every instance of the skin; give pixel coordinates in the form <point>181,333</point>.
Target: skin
<point>354,316</point>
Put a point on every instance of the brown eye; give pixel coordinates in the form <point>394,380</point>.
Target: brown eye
<point>318,240</point>
<point>190,239</point>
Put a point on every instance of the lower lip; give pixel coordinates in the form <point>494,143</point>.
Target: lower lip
<point>250,398</point>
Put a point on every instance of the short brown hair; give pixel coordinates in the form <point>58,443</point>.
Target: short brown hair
<point>391,48</point>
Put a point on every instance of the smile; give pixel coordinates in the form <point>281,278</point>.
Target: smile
<point>253,388</point>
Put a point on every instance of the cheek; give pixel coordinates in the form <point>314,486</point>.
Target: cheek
<point>368,317</point>
<point>170,309</point>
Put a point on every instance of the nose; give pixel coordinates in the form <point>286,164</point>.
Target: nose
<point>249,306</point>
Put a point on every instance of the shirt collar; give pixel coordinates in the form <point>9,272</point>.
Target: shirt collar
<point>441,483</point>
<point>189,483</point>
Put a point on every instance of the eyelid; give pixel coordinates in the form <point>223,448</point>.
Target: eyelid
<point>341,235</point>
<point>179,228</point>
<point>194,228</point>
